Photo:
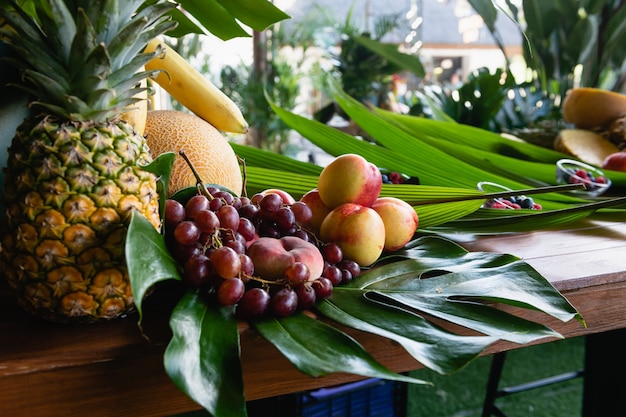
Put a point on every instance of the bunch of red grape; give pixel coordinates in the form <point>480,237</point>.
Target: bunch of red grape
<point>209,236</point>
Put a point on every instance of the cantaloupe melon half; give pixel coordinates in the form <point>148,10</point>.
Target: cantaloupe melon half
<point>204,145</point>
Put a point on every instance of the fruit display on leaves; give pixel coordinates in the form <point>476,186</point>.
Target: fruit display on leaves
<point>261,253</point>
<point>253,252</point>
<point>75,167</point>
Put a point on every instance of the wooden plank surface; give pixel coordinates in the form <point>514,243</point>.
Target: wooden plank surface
<point>111,369</point>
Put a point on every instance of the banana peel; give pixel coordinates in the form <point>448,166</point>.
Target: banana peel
<point>194,91</point>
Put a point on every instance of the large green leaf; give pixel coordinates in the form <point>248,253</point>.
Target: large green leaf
<point>259,15</point>
<point>221,17</point>
<point>147,258</point>
<point>443,280</point>
<point>431,345</point>
<point>202,358</point>
<point>317,349</point>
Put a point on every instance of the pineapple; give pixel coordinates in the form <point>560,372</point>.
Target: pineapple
<point>75,168</point>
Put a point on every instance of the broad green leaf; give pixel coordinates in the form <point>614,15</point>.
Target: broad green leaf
<point>431,345</point>
<point>162,168</point>
<point>147,258</point>
<point>214,18</point>
<point>317,349</point>
<point>259,15</point>
<point>202,358</point>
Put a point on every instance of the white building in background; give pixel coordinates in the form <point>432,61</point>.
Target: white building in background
<point>448,35</point>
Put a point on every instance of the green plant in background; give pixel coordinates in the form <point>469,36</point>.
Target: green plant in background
<point>583,50</point>
<point>281,81</point>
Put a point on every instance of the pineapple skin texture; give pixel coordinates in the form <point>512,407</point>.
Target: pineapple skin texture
<point>69,191</point>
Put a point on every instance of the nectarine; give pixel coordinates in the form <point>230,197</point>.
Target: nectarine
<point>349,178</point>
<point>400,220</point>
<point>358,230</point>
<point>318,208</point>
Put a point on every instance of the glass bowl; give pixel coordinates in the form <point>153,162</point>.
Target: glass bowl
<point>570,171</point>
<point>513,202</point>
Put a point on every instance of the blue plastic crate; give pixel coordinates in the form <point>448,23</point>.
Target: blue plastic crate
<point>368,398</point>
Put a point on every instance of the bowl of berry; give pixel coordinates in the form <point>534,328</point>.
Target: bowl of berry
<point>508,202</point>
<point>570,171</point>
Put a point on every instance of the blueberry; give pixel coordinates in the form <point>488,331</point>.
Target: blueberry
<point>526,203</point>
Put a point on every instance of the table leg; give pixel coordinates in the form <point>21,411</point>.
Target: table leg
<point>605,374</point>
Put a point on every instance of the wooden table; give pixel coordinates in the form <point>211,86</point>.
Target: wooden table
<point>110,369</point>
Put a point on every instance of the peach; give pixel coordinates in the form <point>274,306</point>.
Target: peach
<point>272,256</point>
<point>349,178</point>
<point>400,219</point>
<point>318,208</point>
<point>615,161</point>
<point>358,230</point>
<point>287,198</point>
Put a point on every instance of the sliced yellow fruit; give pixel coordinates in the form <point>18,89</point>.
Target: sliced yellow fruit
<point>584,145</point>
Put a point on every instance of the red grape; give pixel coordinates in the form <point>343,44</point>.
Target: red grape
<point>225,196</point>
<point>297,272</point>
<point>351,266</point>
<point>226,262</point>
<point>333,273</point>
<point>323,288</point>
<point>249,211</point>
<point>229,217</point>
<point>346,276</point>
<point>207,221</point>
<point>247,266</point>
<point>246,229</point>
<point>253,305</point>
<point>332,253</point>
<point>284,302</point>
<point>197,270</point>
<point>306,295</point>
<point>174,213</point>
<point>195,204</point>
<point>302,212</point>
<point>284,219</point>
<point>230,291</point>
<point>271,202</point>
<point>186,233</point>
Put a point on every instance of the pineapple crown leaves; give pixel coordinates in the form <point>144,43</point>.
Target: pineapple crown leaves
<point>82,59</point>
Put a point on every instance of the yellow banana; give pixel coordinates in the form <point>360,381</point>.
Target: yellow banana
<point>191,89</point>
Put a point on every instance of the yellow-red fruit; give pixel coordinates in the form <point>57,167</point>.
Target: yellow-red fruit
<point>585,145</point>
<point>358,230</point>
<point>400,219</point>
<point>318,208</point>
<point>589,108</point>
<point>349,178</point>
<point>207,149</point>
